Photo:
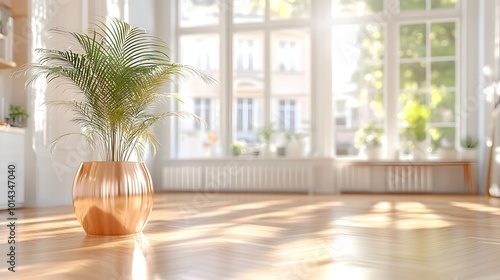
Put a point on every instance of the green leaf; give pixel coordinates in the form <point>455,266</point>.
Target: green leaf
<point>118,71</point>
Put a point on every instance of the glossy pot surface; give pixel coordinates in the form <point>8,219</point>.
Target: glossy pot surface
<point>112,198</point>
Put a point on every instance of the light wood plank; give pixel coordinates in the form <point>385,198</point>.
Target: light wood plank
<point>269,236</point>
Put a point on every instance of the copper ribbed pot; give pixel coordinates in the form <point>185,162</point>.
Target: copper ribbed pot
<point>112,198</point>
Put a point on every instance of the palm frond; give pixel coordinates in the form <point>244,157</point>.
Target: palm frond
<point>118,71</point>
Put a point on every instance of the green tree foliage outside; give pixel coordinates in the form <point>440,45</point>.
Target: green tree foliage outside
<point>409,5</point>
<point>414,115</point>
<point>438,104</point>
<point>427,103</point>
<point>290,8</point>
<point>280,8</point>
<point>350,7</point>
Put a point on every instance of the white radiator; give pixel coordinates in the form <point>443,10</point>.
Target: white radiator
<point>409,178</point>
<point>384,178</point>
<point>183,177</point>
<point>236,176</point>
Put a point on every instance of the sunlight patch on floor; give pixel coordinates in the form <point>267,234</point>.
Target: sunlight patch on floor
<point>476,207</point>
<point>401,215</point>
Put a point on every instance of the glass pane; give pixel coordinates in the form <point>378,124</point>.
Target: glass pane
<point>412,75</point>
<point>353,116</point>
<point>248,118</point>
<point>442,137</point>
<point>371,77</point>
<point>290,90</point>
<point>442,105</point>
<point>442,39</point>
<point>290,58</point>
<point>356,7</point>
<point>372,42</point>
<point>408,5</point>
<point>291,124</point>
<point>357,55</point>
<point>443,74</point>
<point>286,114</point>
<point>435,4</point>
<point>357,75</point>
<point>198,12</point>
<point>194,139</point>
<point>248,86</point>
<point>291,115</point>
<point>200,51</point>
<point>413,116</point>
<point>286,9</point>
<point>412,41</point>
<point>248,53</point>
<point>248,11</point>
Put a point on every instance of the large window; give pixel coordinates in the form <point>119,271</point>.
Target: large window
<point>358,83</point>
<point>288,114</point>
<point>394,66</point>
<point>384,51</point>
<point>260,52</point>
<point>246,118</point>
<point>194,138</point>
<point>427,82</point>
<point>203,108</point>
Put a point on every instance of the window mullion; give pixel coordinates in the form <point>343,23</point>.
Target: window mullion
<point>392,88</point>
<point>267,79</point>
<point>226,117</point>
<point>322,111</point>
<point>428,60</point>
<point>266,98</point>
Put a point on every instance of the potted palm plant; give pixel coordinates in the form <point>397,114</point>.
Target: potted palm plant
<point>118,71</point>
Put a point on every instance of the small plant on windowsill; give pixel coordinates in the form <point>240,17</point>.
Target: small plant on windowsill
<point>469,142</point>
<point>238,148</point>
<point>469,148</point>
<point>285,142</point>
<point>368,139</point>
<point>266,135</point>
<point>369,135</point>
<point>446,149</point>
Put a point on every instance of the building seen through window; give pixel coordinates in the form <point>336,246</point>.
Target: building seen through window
<point>270,77</point>
<point>393,64</point>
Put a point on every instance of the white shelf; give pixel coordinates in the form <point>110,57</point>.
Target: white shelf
<point>10,129</point>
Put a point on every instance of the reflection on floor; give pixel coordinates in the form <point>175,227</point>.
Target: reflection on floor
<point>270,236</point>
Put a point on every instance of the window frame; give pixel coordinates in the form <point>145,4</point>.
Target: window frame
<point>428,60</point>
<point>322,116</point>
<point>392,20</point>
<point>226,29</point>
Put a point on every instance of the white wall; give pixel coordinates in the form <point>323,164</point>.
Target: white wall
<point>155,16</point>
<point>50,175</point>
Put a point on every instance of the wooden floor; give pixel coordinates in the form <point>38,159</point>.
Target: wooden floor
<point>269,236</point>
